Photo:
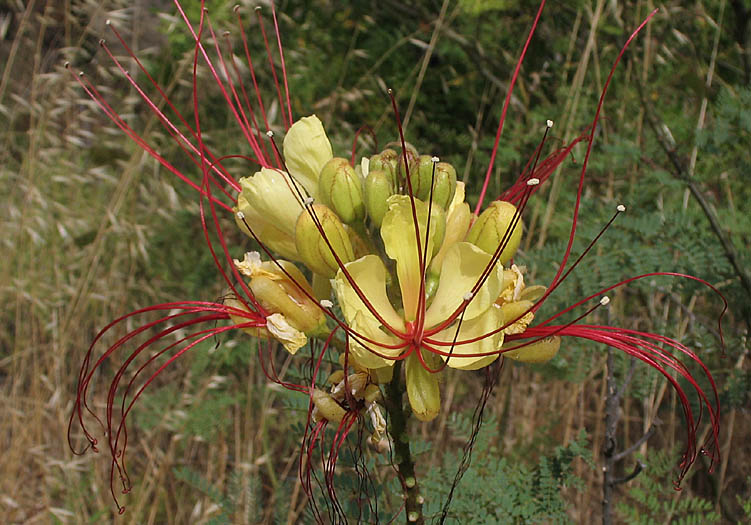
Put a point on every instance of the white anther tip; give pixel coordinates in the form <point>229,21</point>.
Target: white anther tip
<point>108,22</point>
<point>435,159</point>
<point>308,201</point>
<point>468,296</point>
<point>226,33</point>
<point>549,123</point>
<point>533,181</point>
<point>257,8</point>
<point>605,300</point>
<point>240,215</point>
<point>326,303</point>
<point>621,208</point>
<point>66,64</point>
<point>269,133</point>
<point>236,8</point>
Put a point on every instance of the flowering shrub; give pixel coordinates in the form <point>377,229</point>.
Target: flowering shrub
<point>376,260</point>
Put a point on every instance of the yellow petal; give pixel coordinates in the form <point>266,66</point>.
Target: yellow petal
<point>490,320</point>
<point>271,209</point>
<point>538,352</point>
<point>306,150</point>
<point>463,266</point>
<point>369,274</point>
<point>363,350</point>
<point>422,387</point>
<point>399,238</point>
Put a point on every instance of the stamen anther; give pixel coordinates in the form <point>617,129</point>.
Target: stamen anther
<point>605,300</point>
<point>226,33</point>
<point>240,215</point>
<point>533,181</point>
<point>326,303</point>
<point>66,65</point>
<point>308,201</point>
<point>435,159</point>
<point>102,41</point>
<point>549,123</point>
<point>468,296</point>
<point>236,8</point>
<point>621,208</point>
<point>108,22</point>
<point>269,133</point>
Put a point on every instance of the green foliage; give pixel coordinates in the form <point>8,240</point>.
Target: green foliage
<point>652,500</point>
<point>239,497</point>
<point>498,489</point>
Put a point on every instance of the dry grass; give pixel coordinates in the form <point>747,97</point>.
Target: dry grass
<point>76,237</point>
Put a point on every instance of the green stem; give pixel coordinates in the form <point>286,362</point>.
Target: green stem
<point>398,417</point>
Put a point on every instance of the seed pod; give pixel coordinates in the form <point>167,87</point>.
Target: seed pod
<point>491,226</point>
<point>339,187</point>
<point>314,249</point>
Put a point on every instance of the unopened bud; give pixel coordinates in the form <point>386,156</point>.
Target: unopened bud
<point>315,247</point>
<point>444,185</point>
<point>412,165</point>
<point>492,226</point>
<point>385,161</point>
<point>339,187</point>
<point>378,188</point>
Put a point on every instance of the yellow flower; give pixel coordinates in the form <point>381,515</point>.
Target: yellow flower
<point>385,333</point>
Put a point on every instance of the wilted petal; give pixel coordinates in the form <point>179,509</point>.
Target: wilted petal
<point>285,333</point>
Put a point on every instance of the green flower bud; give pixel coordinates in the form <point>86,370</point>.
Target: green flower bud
<point>490,227</point>
<point>339,187</point>
<point>444,185</point>
<point>312,247</point>
<point>413,163</point>
<point>379,187</point>
<point>385,161</point>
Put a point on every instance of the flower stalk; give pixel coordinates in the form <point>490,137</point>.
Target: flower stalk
<point>402,455</point>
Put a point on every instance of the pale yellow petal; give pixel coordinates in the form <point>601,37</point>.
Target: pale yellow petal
<point>363,351</point>
<point>369,274</point>
<point>285,333</point>
<point>463,266</point>
<point>306,150</point>
<point>490,320</point>
<point>400,240</point>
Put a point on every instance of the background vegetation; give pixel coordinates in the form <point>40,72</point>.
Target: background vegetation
<point>92,228</point>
